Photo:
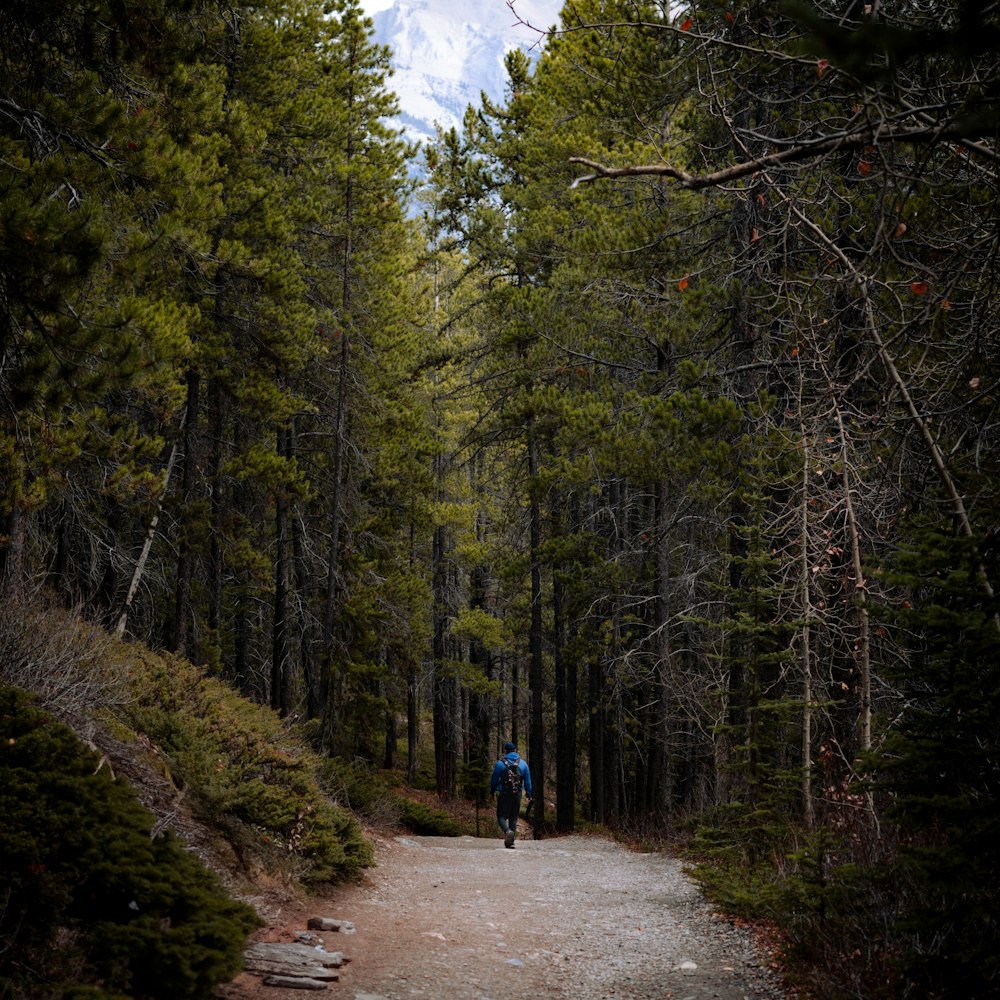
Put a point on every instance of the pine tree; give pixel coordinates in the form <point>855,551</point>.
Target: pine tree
<point>105,176</point>
<point>938,764</point>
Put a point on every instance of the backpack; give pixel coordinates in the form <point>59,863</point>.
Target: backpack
<point>513,779</point>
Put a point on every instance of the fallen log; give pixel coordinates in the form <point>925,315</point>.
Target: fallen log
<point>294,983</point>
<point>296,960</point>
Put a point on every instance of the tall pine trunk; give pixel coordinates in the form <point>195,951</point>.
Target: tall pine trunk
<point>443,679</point>
<point>805,647</point>
<point>181,639</point>
<point>660,793</point>
<point>302,601</point>
<point>330,693</point>
<point>565,684</point>
<point>216,564</point>
<point>281,679</point>
<point>536,738</point>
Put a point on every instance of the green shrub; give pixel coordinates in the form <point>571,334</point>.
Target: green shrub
<point>425,779</point>
<point>246,773</point>
<point>355,784</point>
<point>425,821</point>
<point>739,888</point>
<point>132,915</point>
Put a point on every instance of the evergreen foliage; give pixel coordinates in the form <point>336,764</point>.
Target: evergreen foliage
<point>636,456</point>
<point>707,416</point>
<point>246,774</point>
<point>426,821</point>
<point>938,764</point>
<point>132,914</point>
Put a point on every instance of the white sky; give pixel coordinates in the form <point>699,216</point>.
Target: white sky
<point>550,8</point>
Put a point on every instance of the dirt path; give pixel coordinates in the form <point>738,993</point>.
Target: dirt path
<point>580,918</point>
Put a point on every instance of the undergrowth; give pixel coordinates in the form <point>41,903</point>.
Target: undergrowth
<point>379,796</point>
<point>832,915</point>
<point>93,904</point>
<point>244,773</point>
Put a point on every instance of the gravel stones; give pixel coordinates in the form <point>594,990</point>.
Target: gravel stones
<point>577,917</point>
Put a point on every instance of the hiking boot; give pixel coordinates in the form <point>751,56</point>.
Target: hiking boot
<point>508,839</point>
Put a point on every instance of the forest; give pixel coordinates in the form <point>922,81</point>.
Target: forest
<point>649,419</point>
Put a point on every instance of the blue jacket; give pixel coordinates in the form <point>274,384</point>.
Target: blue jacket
<point>496,779</point>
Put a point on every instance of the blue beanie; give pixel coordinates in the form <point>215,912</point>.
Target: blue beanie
<point>509,748</point>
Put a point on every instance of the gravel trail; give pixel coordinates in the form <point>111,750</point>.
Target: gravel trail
<point>578,917</point>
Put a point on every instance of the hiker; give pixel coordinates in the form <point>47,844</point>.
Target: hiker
<point>509,777</point>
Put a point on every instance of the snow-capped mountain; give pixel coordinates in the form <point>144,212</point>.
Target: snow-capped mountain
<point>447,52</point>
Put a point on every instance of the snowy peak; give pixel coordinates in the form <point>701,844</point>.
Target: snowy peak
<point>447,52</point>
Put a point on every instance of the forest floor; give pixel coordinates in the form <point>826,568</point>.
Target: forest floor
<point>578,917</point>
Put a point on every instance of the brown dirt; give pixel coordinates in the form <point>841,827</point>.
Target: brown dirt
<point>573,917</point>
<point>580,917</point>
<point>462,918</point>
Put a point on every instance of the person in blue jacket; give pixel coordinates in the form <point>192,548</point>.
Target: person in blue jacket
<point>510,777</point>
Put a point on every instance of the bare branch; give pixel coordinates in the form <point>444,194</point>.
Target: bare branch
<point>46,133</point>
<point>872,136</point>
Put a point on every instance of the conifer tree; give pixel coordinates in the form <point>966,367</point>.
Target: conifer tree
<point>105,178</point>
<point>938,764</point>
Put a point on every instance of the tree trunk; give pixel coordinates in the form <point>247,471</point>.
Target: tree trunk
<point>281,679</point>
<point>479,704</point>
<point>536,740</point>
<point>13,564</point>
<point>216,567</point>
<point>302,600</point>
<point>330,694</point>
<point>661,792</point>
<point>613,671</point>
<point>59,575</point>
<point>329,688</point>
<point>388,757</point>
<point>412,719</point>
<point>515,697</point>
<point>808,812</point>
<point>565,683</point>
<point>241,613</point>
<point>862,646</point>
<point>597,730</point>
<point>444,681</point>
<point>185,557</point>
<point>147,544</point>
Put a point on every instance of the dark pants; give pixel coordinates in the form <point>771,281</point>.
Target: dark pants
<point>508,807</point>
